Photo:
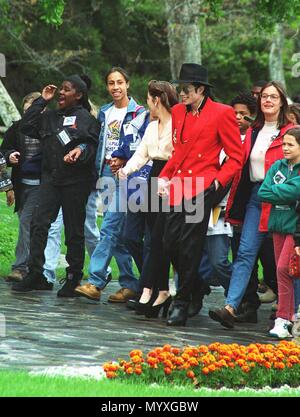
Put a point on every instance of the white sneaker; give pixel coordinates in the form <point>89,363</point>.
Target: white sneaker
<point>280,330</point>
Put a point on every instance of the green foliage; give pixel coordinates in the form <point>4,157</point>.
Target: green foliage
<point>52,11</point>
<point>90,36</point>
<point>271,12</point>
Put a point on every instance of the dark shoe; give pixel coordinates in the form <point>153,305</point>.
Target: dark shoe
<point>141,308</point>
<point>197,299</point>
<point>33,282</point>
<point>153,311</point>
<point>178,314</point>
<point>132,303</point>
<point>69,284</point>
<point>222,316</point>
<point>247,317</point>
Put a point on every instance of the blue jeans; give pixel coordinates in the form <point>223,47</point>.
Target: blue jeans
<point>111,242</point>
<point>52,250</point>
<point>91,234</point>
<point>297,294</point>
<point>215,261</point>
<point>251,241</point>
<point>29,197</point>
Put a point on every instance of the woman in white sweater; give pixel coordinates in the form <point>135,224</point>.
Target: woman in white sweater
<point>156,145</point>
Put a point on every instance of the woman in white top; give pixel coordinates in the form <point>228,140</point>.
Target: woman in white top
<point>263,146</point>
<point>156,145</point>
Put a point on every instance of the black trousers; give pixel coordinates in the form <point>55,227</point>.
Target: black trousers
<point>155,272</point>
<point>184,242</point>
<point>73,199</point>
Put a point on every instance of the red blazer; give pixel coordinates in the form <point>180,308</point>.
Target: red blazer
<point>273,153</point>
<point>198,141</point>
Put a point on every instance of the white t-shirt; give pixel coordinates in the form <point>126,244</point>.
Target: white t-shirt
<point>114,122</point>
<point>257,158</point>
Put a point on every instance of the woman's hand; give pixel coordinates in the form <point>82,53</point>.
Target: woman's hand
<point>10,198</point>
<point>163,187</point>
<point>297,250</point>
<point>14,158</point>
<point>121,174</point>
<point>49,92</point>
<point>72,156</point>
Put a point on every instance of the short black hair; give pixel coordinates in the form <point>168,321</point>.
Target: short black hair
<point>247,99</point>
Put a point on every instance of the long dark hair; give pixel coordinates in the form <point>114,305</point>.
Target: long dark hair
<point>282,118</point>
<point>165,91</point>
<point>117,69</point>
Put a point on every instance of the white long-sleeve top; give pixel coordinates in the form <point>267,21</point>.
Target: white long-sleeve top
<point>151,147</point>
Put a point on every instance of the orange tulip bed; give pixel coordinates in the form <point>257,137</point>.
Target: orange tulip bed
<point>216,365</point>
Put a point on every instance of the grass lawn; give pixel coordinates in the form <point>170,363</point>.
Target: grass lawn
<point>9,235</point>
<point>21,384</point>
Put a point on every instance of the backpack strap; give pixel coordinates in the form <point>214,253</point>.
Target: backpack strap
<point>134,114</point>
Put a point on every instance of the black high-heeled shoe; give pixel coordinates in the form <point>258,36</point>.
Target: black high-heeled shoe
<point>141,308</point>
<point>153,311</point>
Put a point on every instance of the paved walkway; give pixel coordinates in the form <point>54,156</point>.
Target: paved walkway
<point>43,330</point>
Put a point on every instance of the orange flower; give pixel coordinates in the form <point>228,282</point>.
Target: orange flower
<point>190,374</point>
<point>245,368</point>
<point>203,349</point>
<point>136,352</point>
<point>129,371</point>
<point>212,368</point>
<point>137,359</point>
<point>167,348</point>
<point>193,361</point>
<point>176,351</point>
<point>138,371</point>
<point>167,371</point>
<point>268,365</point>
<point>279,365</point>
<point>168,363</point>
<point>111,375</point>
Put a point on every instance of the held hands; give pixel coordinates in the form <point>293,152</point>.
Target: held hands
<point>116,164</point>
<point>14,158</point>
<point>72,156</point>
<point>163,187</point>
<point>10,198</point>
<point>297,250</point>
<point>49,92</point>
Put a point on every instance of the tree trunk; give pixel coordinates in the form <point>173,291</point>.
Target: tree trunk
<point>275,56</point>
<point>183,33</point>
<point>8,111</point>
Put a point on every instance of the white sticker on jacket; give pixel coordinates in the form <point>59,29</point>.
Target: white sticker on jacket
<point>279,178</point>
<point>69,121</point>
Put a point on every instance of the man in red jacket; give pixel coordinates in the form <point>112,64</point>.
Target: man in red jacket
<point>193,177</point>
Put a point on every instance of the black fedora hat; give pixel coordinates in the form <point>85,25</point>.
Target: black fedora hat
<point>193,73</point>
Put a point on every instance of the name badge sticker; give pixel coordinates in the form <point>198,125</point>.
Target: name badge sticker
<point>69,121</point>
<point>279,178</point>
<point>64,137</point>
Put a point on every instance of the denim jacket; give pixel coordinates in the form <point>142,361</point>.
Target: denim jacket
<point>123,151</point>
